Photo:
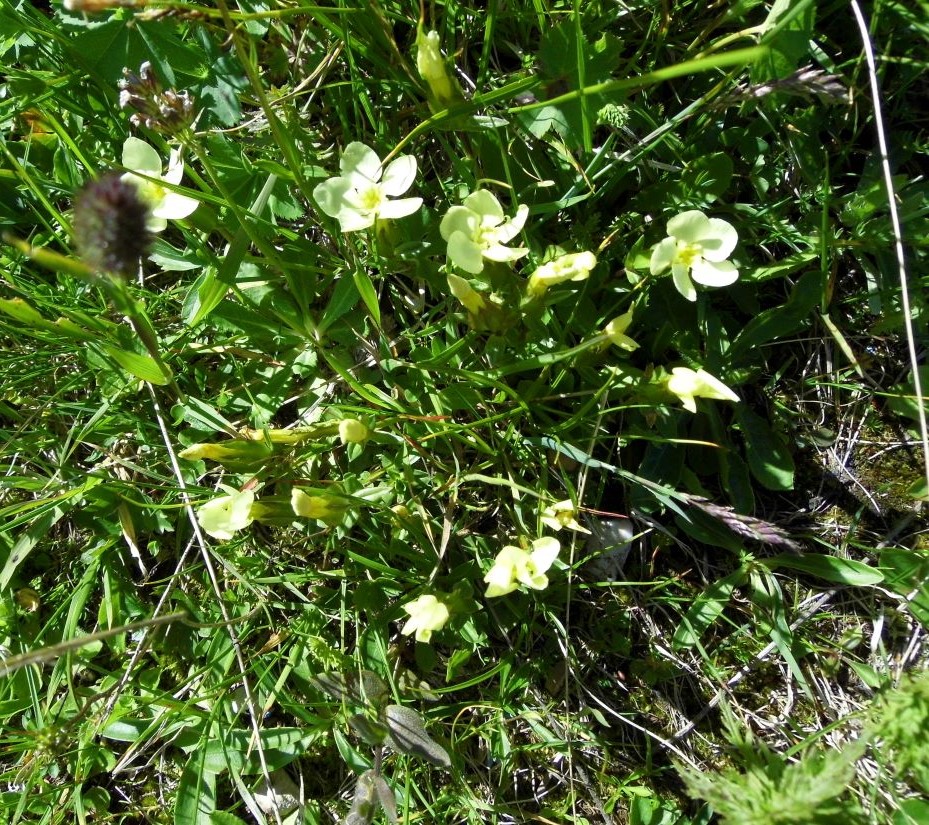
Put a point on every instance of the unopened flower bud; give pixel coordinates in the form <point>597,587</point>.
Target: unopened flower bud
<point>353,431</point>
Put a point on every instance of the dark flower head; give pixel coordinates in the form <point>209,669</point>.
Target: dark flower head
<point>110,225</point>
<point>154,107</point>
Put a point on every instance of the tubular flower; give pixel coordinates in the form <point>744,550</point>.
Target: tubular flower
<point>470,298</point>
<point>688,384</point>
<point>444,90</point>
<point>573,266</point>
<point>142,159</point>
<point>615,331</point>
<point>327,509</point>
<point>696,249</point>
<point>562,514</point>
<point>515,566</point>
<point>478,229</point>
<point>427,614</point>
<point>222,516</point>
<point>363,192</point>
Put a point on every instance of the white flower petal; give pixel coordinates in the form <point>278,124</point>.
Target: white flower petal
<point>352,220</point>
<point>709,273</point>
<point>399,175</point>
<point>360,160</point>
<point>486,205</point>
<point>175,206</point>
<point>504,253</point>
<point>691,226</point>
<point>141,157</point>
<point>399,208</point>
<point>720,241</point>
<point>662,256</point>
<point>330,195</point>
<point>509,229</point>
<point>682,282</point>
<point>465,253</point>
<point>544,553</point>
<point>459,219</point>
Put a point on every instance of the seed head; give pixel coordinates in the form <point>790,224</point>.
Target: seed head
<point>110,225</point>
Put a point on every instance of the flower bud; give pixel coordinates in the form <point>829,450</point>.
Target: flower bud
<point>353,431</point>
<point>444,90</point>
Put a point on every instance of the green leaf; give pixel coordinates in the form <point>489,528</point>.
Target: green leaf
<point>830,568</point>
<point>368,294</point>
<point>788,31</point>
<point>570,63</point>
<point>780,321</point>
<point>343,299</point>
<point>141,366</point>
<point>768,458</point>
<point>408,735</point>
<point>26,542</point>
<point>196,792</point>
<point>706,609</point>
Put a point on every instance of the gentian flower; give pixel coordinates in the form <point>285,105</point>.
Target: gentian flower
<point>165,204</point>
<point>696,249</point>
<point>427,614</point>
<point>573,266</point>
<point>222,516</point>
<point>515,566</point>
<point>615,331</point>
<point>470,298</point>
<point>562,514</point>
<point>362,194</point>
<point>688,384</point>
<point>327,509</point>
<point>478,229</point>
<point>444,91</point>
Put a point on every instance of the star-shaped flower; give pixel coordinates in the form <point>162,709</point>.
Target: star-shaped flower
<point>696,249</point>
<point>562,514</point>
<point>427,614</point>
<point>222,516</point>
<point>515,566</point>
<point>688,384</point>
<point>365,191</point>
<point>615,331</point>
<point>165,204</point>
<point>478,230</point>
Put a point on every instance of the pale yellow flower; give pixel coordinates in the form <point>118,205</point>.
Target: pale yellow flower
<point>562,514</point>
<point>427,614</point>
<point>514,566</point>
<point>688,384</point>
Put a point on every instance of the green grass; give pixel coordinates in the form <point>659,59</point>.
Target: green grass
<point>754,648</point>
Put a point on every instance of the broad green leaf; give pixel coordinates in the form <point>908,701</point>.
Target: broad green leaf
<point>196,792</point>
<point>141,366</point>
<point>36,532</point>
<point>706,609</point>
<point>344,297</point>
<point>780,321</point>
<point>768,458</point>
<point>830,568</point>
<point>408,735</point>
<point>788,31</point>
<point>368,294</point>
<point>907,573</point>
